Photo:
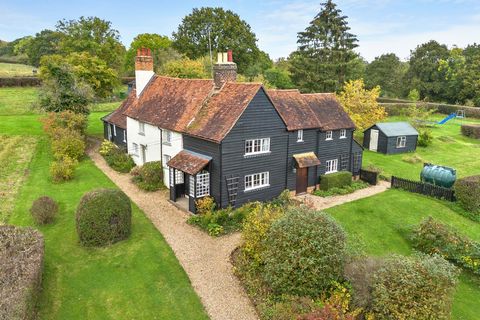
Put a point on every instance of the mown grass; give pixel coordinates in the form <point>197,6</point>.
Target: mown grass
<point>449,148</point>
<point>15,70</point>
<point>15,155</point>
<point>381,224</point>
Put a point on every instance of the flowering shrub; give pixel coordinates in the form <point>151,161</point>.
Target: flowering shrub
<point>432,237</point>
<point>106,147</point>
<point>149,177</point>
<point>68,143</point>
<point>63,169</point>
<point>205,205</point>
<point>218,222</point>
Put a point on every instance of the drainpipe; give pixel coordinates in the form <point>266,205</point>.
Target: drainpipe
<point>351,150</point>
<point>288,156</point>
<point>316,152</point>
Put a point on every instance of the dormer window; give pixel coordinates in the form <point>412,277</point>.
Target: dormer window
<point>300,136</point>
<point>343,134</point>
<point>329,135</point>
<point>141,128</point>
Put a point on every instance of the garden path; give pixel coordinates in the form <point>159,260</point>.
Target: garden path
<point>321,203</point>
<point>206,260</point>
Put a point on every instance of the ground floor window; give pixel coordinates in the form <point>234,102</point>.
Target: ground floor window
<point>401,142</point>
<point>135,149</point>
<point>124,136</point>
<point>203,184</point>
<point>191,184</point>
<point>257,180</point>
<point>178,177</point>
<point>344,161</point>
<point>331,166</point>
<point>166,158</point>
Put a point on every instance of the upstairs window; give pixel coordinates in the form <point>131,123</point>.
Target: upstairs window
<point>257,146</point>
<point>167,136</point>
<point>257,180</point>
<point>343,134</point>
<point>401,142</point>
<point>329,135</point>
<point>141,128</point>
<point>300,136</point>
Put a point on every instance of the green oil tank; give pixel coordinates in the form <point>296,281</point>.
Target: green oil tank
<point>438,175</point>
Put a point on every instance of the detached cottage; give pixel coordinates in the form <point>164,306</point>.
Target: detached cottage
<point>236,142</point>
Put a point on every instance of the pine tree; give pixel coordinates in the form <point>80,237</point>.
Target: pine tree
<point>325,57</point>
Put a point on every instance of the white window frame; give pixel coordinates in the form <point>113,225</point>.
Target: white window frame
<point>191,186</point>
<point>114,130</point>
<point>401,142</point>
<point>165,159</point>
<point>257,181</point>
<point>329,135</point>
<point>179,177</point>
<point>109,130</point>
<point>203,184</point>
<point>167,137</point>
<point>124,135</point>
<point>141,128</point>
<point>135,148</point>
<point>331,166</point>
<point>257,146</point>
<point>343,134</point>
<point>300,135</point>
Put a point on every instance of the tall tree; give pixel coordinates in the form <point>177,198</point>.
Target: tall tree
<point>388,72</point>
<point>158,44</point>
<point>95,36</point>
<point>227,31</point>
<point>470,91</point>
<point>425,73</point>
<point>44,43</point>
<point>325,53</point>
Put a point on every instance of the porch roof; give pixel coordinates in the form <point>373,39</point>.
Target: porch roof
<point>307,159</point>
<point>189,162</point>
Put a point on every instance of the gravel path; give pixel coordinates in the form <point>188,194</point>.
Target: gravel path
<point>206,260</point>
<point>321,203</point>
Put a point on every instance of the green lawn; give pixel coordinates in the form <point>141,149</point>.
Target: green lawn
<point>381,225</point>
<point>139,278</point>
<point>15,70</point>
<point>449,148</point>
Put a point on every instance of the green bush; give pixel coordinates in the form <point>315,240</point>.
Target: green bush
<point>335,180</point>
<point>106,147</point>
<point>418,287</point>
<point>119,161</point>
<point>425,138</point>
<point>471,130</point>
<point>432,237</point>
<point>65,120</point>
<point>149,177</point>
<point>304,252</point>
<point>104,216</point>
<point>43,210</point>
<point>63,169</point>
<point>467,192</point>
<point>205,205</point>
<point>218,222</point>
<point>69,143</point>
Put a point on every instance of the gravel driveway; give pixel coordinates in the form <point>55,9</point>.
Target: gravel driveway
<point>206,260</point>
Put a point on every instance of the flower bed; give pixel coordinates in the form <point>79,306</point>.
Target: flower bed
<point>356,185</point>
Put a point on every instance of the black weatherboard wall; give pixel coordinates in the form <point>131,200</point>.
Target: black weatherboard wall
<point>388,145</point>
<point>117,136</point>
<point>335,149</point>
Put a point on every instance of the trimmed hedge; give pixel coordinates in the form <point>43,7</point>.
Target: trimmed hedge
<point>467,191</point>
<point>21,266</point>
<point>335,180</point>
<point>471,130</point>
<point>304,252</point>
<point>397,109</point>
<point>20,82</point>
<point>104,216</point>
<point>418,287</point>
<point>43,210</point>
<point>433,237</point>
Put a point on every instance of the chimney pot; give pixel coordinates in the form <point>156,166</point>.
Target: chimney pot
<point>230,56</point>
<point>225,70</point>
<point>143,69</point>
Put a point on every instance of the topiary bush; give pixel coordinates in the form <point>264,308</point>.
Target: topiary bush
<point>304,252</point>
<point>418,287</point>
<point>471,130</point>
<point>43,210</point>
<point>63,169</point>
<point>149,177</point>
<point>433,237</point>
<point>335,180</point>
<point>103,217</point>
<point>467,191</point>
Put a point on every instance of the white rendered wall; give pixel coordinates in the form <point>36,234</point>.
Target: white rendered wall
<point>142,77</point>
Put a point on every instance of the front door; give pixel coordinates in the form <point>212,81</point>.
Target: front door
<point>373,140</point>
<point>302,180</point>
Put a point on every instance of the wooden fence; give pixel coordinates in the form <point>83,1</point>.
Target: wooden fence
<point>423,188</point>
<point>368,176</point>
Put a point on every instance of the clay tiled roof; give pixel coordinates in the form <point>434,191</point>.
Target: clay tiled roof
<point>308,111</point>
<point>220,113</point>
<point>171,103</point>
<point>118,117</point>
<point>189,162</point>
<point>307,159</point>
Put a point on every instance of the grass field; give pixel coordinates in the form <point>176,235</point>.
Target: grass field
<point>449,148</point>
<point>15,70</point>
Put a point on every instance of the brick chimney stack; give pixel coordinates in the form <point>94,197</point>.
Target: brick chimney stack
<point>225,70</point>
<point>143,69</point>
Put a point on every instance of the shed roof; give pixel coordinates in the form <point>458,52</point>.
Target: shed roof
<point>189,162</point>
<point>393,129</point>
<point>307,159</point>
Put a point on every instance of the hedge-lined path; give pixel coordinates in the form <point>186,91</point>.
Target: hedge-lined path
<point>205,259</point>
<point>321,203</point>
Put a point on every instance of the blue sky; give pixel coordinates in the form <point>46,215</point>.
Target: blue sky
<point>381,25</point>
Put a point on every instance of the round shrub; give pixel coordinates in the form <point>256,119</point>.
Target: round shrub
<point>43,210</point>
<point>149,177</point>
<point>467,191</point>
<point>419,287</point>
<point>103,217</point>
<point>304,252</point>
